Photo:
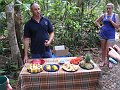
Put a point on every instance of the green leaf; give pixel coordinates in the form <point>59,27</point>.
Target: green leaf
<point>2,71</point>
<point>18,2</point>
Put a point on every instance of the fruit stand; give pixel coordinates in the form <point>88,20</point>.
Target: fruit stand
<point>56,75</point>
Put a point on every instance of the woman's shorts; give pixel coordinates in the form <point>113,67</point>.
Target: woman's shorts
<point>110,41</point>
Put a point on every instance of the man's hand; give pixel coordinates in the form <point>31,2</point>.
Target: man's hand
<point>47,43</point>
<point>8,85</point>
<point>25,59</point>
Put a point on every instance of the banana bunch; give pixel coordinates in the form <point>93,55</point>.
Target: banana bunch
<point>35,68</point>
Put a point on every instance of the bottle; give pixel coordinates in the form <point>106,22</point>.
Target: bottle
<point>112,60</point>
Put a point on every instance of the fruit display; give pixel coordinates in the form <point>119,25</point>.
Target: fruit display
<point>86,64</point>
<point>35,68</point>
<point>76,60</point>
<point>70,67</point>
<point>51,67</point>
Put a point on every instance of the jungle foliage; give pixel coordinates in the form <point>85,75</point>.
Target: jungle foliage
<point>73,20</point>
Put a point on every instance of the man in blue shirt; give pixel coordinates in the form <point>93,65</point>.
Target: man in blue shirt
<point>38,32</point>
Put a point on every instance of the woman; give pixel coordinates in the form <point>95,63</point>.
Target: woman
<point>107,31</point>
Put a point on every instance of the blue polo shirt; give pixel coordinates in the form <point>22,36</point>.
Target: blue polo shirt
<point>38,33</point>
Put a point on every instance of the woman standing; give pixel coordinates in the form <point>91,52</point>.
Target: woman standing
<point>110,22</point>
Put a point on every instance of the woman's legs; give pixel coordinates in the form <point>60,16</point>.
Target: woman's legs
<point>103,52</point>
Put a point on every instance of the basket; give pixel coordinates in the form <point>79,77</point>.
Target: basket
<point>3,81</point>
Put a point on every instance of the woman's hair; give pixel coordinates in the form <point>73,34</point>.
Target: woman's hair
<point>110,4</point>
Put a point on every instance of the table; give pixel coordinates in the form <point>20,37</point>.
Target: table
<point>60,80</point>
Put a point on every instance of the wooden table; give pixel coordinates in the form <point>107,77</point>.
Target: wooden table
<point>60,80</point>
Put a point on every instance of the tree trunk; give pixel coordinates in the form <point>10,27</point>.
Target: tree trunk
<point>15,52</point>
<point>18,27</point>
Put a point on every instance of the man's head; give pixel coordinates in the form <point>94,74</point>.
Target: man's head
<point>35,9</point>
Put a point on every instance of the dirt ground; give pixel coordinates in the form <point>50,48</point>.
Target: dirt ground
<point>110,78</point>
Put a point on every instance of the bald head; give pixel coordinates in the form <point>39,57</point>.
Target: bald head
<point>35,9</point>
<point>34,5</point>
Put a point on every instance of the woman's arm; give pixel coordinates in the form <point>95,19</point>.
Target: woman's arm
<point>115,24</point>
<point>99,19</point>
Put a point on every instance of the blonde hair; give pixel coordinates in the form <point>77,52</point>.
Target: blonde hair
<point>110,4</point>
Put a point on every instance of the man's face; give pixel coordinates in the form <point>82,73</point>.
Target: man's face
<point>35,9</point>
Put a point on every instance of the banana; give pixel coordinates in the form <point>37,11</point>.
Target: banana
<point>55,67</point>
<point>48,67</point>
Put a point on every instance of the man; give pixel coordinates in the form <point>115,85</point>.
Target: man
<point>38,31</point>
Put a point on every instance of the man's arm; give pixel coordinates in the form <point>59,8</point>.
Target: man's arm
<point>51,37</point>
<point>26,46</point>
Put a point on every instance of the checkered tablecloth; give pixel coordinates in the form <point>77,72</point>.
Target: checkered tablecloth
<point>60,80</point>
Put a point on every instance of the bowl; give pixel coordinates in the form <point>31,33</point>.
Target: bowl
<point>38,61</point>
<point>61,61</point>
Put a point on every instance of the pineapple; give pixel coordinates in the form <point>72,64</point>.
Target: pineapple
<point>87,58</point>
<point>86,64</point>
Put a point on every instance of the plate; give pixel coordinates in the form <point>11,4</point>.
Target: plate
<point>69,71</point>
<point>51,67</point>
<point>70,67</point>
<point>38,61</point>
<point>85,67</point>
